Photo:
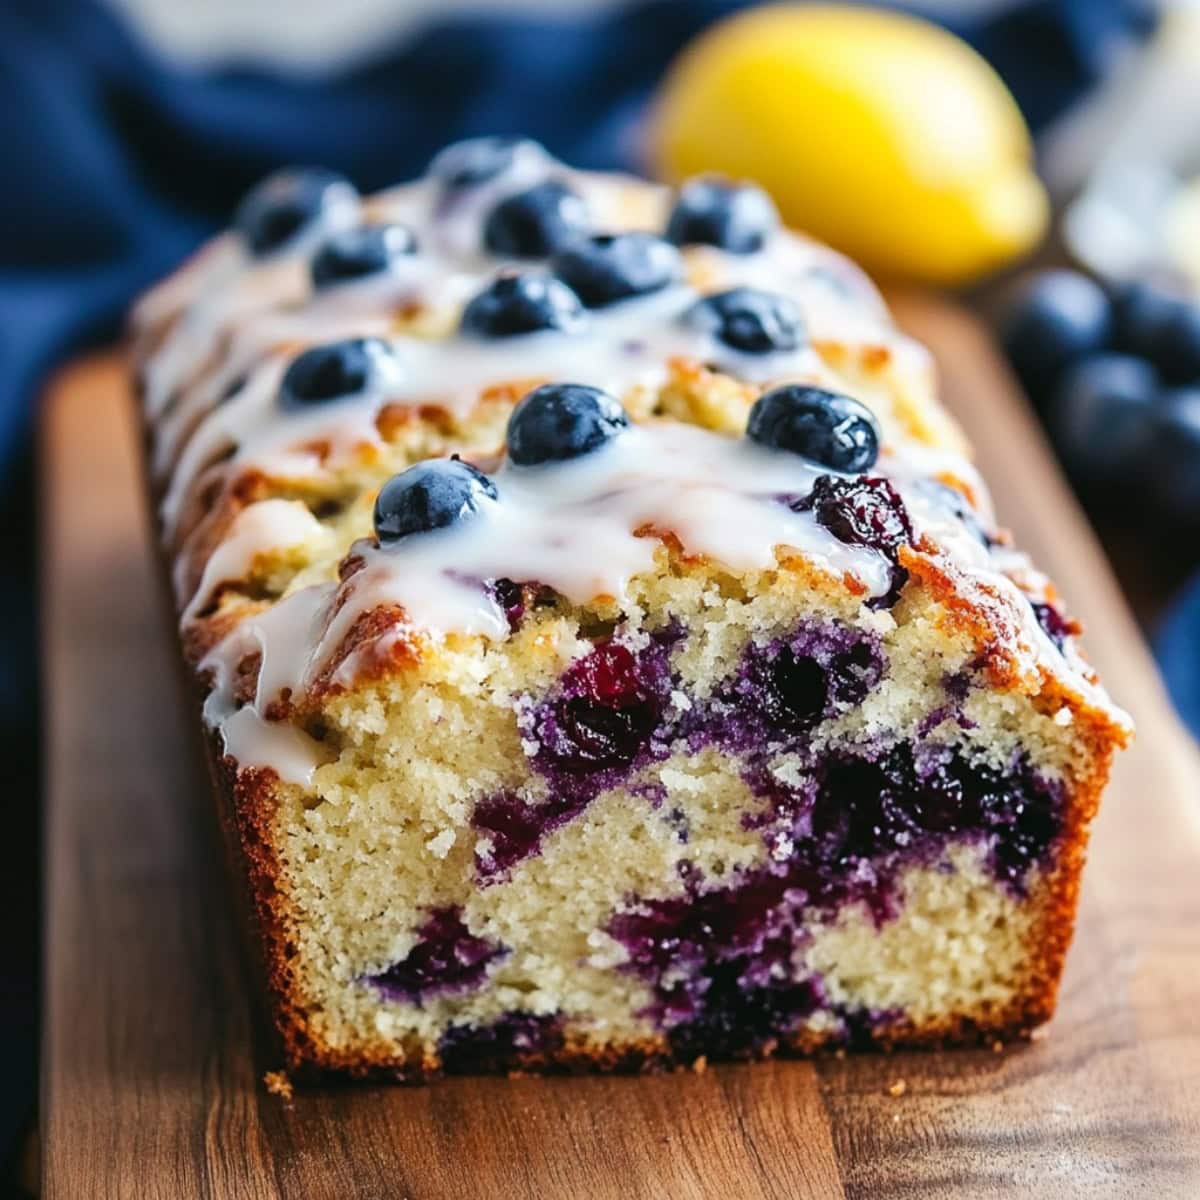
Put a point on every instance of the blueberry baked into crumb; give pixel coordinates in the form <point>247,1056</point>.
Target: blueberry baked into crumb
<point>608,652</point>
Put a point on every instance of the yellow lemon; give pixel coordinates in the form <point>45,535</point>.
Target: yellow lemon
<point>877,132</point>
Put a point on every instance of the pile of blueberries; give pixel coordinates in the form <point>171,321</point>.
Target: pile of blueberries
<point>1115,374</point>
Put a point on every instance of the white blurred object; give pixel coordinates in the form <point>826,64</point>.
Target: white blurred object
<point>1141,142</point>
<point>312,35</point>
<point>317,35</point>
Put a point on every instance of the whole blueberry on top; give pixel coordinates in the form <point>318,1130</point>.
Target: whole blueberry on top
<point>1058,317</point>
<point>1101,417</point>
<point>430,495</point>
<point>713,211</point>
<point>829,428</point>
<point>558,421</point>
<point>537,222</point>
<point>612,267</point>
<point>476,160</point>
<point>357,253</point>
<point>519,302</point>
<point>750,320</point>
<point>285,204</point>
<point>335,371</point>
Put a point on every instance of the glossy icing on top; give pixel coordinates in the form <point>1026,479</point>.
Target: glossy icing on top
<point>217,337</point>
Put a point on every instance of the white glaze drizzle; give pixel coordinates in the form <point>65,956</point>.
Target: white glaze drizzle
<point>629,345</point>
<point>266,526</point>
<point>284,635</point>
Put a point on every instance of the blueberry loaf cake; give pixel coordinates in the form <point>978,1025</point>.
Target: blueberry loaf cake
<point>608,652</point>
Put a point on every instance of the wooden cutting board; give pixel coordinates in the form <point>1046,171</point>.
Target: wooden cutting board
<point>152,1073</point>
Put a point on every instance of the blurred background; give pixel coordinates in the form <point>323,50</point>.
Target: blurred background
<point>1039,159</point>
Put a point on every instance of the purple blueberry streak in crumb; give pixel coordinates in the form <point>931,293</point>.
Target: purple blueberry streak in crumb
<point>863,511</point>
<point>605,710</point>
<point>738,1021</point>
<point>604,714</point>
<point>722,962</point>
<point>783,688</point>
<point>957,686</point>
<point>867,818</point>
<point>602,720</point>
<point>503,1045</point>
<point>447,958</point>
<point>721,965</point>
<point>515,827</point>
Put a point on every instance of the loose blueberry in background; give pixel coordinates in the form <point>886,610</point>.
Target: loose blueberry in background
<point>431,495</point>
<point>1178,360</point>
<point>737,217</point>
<point>560,421</point>
<point>1101,417</point>
<point>357,253</point>
<point>513,304</point>
<point>1161,325</point>
<point>276,210</point>
<point>476,160</point>
<point>1059,317</point>
<point>537,222</point>
<point>612,267</point>
<point>1175,454</point>
<point>334,371</point>
<point>829,428</point>
<point>1141,312</point>
<point>750,320</point>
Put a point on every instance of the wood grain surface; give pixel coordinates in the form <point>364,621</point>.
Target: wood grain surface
<point>153,1061</point>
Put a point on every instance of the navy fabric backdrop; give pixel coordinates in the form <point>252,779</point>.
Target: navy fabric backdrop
<point>116,163</point>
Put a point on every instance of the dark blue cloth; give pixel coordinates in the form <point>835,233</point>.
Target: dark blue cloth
<point>1177,647</point>
<point>115,164</point>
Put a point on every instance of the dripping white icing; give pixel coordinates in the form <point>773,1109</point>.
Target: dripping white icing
<point>219,337</point>
<point>282,748</point>
<point>268,525</point>
<point>573,527</point>
<point>253,426</point>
